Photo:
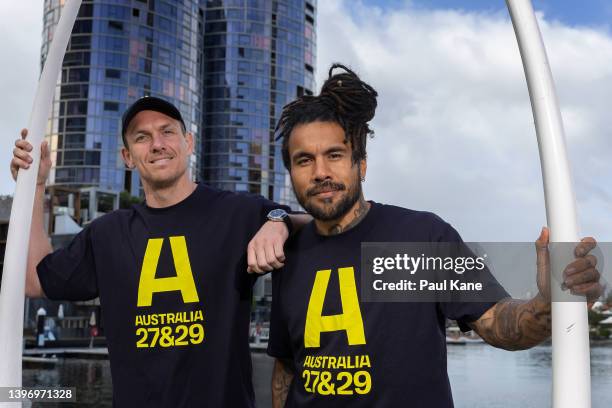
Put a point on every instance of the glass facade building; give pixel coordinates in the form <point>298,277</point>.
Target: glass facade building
<point>229,66</point>
<point>119,50</point>
<point>259,56</point>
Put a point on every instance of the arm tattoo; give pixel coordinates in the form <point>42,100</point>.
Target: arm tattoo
<point>514,324</point>
<point>282,375</point>
<point>359,214</point>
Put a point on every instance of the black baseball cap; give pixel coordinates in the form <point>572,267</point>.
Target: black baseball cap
<point>149,103</point>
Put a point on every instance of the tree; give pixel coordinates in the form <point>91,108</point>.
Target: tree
<point>595,318</point>
<point>126,200</point>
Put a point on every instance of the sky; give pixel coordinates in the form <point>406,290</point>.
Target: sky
<point>454,128</point>
<point>571,12</point>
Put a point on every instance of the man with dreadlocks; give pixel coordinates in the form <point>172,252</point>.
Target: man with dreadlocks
<point>332,349</point>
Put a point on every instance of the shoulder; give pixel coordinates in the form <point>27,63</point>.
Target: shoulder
<point>424,225</point>
<point>225,197</point>
<point>111,220</point>
<point>410,216</point>
<point>114,216</point>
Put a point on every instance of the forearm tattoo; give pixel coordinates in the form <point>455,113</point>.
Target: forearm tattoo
<point>514,324</point>
<point>281,381</point>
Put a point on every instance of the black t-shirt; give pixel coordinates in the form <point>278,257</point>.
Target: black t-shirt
<point>175,297</point>
<point>397,351</point>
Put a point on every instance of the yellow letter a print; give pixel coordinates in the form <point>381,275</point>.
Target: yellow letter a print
<point>183,281</point>
<point>350,320</point>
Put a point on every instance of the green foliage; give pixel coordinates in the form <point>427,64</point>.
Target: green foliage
<point>602,332</point>
<point>595,318</point>
<point>126,200</point>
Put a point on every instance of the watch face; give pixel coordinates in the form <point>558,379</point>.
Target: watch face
<point>278,214</point>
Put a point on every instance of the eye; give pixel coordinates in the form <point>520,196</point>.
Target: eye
<point>302,161</point>
<point>335,155</point>
<point>169,131</point>
<point>139,138</point>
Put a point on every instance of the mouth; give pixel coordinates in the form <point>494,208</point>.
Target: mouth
<point>326,194</point>
<point>160,160</point>
<point>325,191</point>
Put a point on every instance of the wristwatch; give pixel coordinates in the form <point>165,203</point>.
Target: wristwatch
<point>280,215</point>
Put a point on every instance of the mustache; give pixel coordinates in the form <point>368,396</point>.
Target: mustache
<point>325,186</point>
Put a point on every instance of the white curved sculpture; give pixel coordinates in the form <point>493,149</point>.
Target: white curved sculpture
<point>15,259</point>
<point>570,330</point>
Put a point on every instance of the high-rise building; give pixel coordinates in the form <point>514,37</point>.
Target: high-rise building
<point>259,56</point>
<point>229,65</point>
<point>119,50</point>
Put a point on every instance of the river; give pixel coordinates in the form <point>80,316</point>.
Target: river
<point>481,377</point>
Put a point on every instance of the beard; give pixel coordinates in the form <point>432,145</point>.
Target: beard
<point>329,211</point>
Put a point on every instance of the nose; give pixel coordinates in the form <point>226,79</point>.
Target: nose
<point>321,171</point>
<point>157,142</point>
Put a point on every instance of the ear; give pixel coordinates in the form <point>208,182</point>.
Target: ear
<point>127,157</point>
<point>363,167</point>
<point>189,140</point>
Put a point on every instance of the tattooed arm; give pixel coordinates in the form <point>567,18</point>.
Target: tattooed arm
<point>282,375</point>
<point>514,324</point>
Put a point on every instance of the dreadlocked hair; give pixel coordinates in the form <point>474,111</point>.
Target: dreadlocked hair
<point>344,99</point>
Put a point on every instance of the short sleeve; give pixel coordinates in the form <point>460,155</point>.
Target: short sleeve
<point>465,312</point>
<point>260,206</point>
<point>279,343</point>
<point>69,273</point>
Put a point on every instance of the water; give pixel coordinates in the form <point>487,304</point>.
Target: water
<point>91,378</point>
<point>481,376</point>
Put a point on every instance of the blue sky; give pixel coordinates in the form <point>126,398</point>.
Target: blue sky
<point>570,12</point>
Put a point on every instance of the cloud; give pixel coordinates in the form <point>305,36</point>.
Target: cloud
<point>454,128</point>
<point>21,34</point>
<point>454,131</point>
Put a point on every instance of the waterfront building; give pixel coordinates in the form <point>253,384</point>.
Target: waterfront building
<point>259,56</point>
<point>119,51</point>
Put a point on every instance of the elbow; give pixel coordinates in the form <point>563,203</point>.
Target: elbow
<point>518,346</point>
<point>512,347</point>
<point>33,293</point>
<point>33,288</point>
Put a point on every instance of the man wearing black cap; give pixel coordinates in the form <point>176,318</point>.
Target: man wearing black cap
<point>170,272</point>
